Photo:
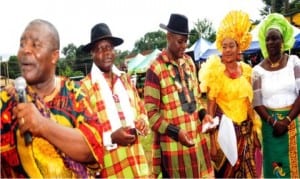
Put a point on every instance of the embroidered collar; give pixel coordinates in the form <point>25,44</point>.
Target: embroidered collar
<point>182,60</point>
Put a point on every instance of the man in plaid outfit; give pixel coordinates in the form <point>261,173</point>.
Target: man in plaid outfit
<point>119,109</point>
<point>172,99</point>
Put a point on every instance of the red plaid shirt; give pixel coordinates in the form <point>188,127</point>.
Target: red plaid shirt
<point>164,107</point>
<point>122,162</point>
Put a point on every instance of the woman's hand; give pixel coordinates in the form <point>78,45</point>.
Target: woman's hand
<point>280,127</point>
<point>209,124</point>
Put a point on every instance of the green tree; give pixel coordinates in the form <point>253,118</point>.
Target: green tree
<point>61,66</point>
<point>279,6</point>
<point>150,41</point>
<point>10,68</point>
<point>13,67</point>
<point>83,61</point>
<point>70,51</point>
<point>202,29</point>
<point>120,57</point>
<point>68,65</point>
<point>193,37</point>
<point>68,71</point>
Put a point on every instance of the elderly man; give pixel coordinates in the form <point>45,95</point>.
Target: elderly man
<point>64,134</point>
<point>119,108</point>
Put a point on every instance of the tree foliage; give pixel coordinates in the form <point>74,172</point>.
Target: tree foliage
<point>157,39</point>
<point>70,51</point>
<point>120,57</point>
<point>11,68</point>
<point>72,65</point>
<point>279,6</point>
<point>150,41</point>
<point>202,29</point>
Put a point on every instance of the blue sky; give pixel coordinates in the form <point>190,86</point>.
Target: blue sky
<point>128,19</point>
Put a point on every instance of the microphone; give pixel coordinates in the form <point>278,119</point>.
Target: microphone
<point>20,85</point>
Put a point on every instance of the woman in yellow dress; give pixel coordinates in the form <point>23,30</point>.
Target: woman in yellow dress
<point>227,81</point>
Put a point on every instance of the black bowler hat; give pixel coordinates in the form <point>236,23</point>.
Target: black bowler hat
<point>178,24</point>
<point>101,32</point>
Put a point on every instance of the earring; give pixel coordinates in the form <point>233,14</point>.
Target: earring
<point>282,48</point>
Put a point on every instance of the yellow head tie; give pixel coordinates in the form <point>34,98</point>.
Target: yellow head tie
<point>235,25</point>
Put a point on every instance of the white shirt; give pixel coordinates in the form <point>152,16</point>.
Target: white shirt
<point>278,88</point>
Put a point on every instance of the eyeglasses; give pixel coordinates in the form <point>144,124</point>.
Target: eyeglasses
<point>102,49</point>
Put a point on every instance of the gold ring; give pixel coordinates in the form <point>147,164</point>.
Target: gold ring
<point>22,121</point>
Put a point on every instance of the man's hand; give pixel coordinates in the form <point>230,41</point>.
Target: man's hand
<point>30,119</point>
<point>123,137</point>
<point>141,127</point>
<point>184,139</point>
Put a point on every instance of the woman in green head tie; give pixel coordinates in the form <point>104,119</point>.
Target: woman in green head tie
<point>276,85</point>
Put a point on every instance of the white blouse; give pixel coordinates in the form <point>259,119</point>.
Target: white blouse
<point>277,89</point>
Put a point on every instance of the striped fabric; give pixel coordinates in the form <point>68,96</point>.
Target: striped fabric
<point>281,154</point>
<point>41,159</point>
<point>165,105</point>
<point>122,162</point>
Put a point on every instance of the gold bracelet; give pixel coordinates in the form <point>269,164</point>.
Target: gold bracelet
<point>288,117</point>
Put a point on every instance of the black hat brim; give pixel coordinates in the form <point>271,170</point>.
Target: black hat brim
<point>163,26</point>
<point>114,40</point>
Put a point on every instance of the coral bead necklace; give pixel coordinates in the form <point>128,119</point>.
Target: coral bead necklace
<point>234,73</point>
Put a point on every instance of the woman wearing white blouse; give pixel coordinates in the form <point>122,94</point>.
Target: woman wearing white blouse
<point>276,85</point>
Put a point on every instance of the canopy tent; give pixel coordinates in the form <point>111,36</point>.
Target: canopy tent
<point>254,47</point>
<point>297,42</point>
<point>201,46</point>
<point>135,61</point>
<point>211,50</point>
<point>191,48</point>
<point>144,65</point>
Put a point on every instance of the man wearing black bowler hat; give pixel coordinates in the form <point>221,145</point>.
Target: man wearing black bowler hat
<point>172,97</point>
<point>118,107</point>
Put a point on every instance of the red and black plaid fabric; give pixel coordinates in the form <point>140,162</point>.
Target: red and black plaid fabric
<point>166,97</point>
<point>122,162</point>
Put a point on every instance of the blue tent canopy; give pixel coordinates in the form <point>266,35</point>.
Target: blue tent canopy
<point>297,42</point>
<point>144,65</point>
<point>201,46</point>
<point>208,53</point>
<point>211,50</point>
<point>254,47</point>
<point>135,61</point>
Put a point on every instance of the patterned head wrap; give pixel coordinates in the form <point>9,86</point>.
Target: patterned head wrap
<point>280,23</point>
<point>235,25</point>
